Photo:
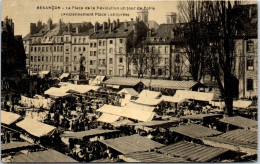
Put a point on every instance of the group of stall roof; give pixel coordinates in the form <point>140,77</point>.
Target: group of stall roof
<point>135,148</point>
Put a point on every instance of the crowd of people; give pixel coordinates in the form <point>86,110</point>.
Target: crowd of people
<point>78,113</point>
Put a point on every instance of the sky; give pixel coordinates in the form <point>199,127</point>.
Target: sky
<point>28,11</point>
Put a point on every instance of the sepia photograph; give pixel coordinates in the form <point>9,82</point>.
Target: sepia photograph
<point>129,81</point>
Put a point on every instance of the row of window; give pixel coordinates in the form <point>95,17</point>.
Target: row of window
<point>47,49</point>
<point>78,49</point>
<point>103,61</point>
<point>45,67</point>
<point>159,50</point>
<point>48,59</point>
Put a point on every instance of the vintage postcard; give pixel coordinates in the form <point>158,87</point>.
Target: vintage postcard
<point>129,81</point>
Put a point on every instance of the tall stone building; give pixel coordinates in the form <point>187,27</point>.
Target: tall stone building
<point>59,47</point>
<point>12,52</point>
<point>172,64</point>
<point>246,63</point>
<point>56,47</point>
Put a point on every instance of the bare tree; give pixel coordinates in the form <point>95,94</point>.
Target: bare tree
<point>223,16</point>
<point>191,32</point>
<point>212,27</point>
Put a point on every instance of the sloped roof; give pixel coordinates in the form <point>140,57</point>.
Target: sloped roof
<point>239,121</point>
<point>192,151</point>
<point>154,83</point>
<point>164,30</point>
<point>27,37</point>
<point>15,145</point>
<point>195,131</point>
<point>108,118</point>
<point>131,144</point>
<point>87,133</point>
<point>49,155</point>
<point>129,112</point>
<point>169,84</point>
<point>36,128</point>
<point>154,123</point>
<point>129,91</point>
<point>150,157</point>
<point>119,32</point>
<point>123,81</point>
<point>152,24</point>
<point>237,140</point>
<point>56,31</point>
<point>9,117</point>
<point>200,116</point>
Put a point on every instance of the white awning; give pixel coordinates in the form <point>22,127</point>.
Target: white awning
<point>131,105</point>
<point>36,128</point>
<point>116,86</point>
<point>200,96</point>
<point>129,91</point>
<point>59,94</point>
<point>108,118</point>
<point>133,113</point>
<point>43,73</point>
<point>146,94</point>
<point>236,104</point>
<point>84,88</point>
<point>173,99</point>
<point>148,101</point>
<point>98,80</point>
<point>9,117</point>
<point>64,75</point>
<point>241,104</point>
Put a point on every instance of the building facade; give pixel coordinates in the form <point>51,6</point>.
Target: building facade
<point>59,47</point>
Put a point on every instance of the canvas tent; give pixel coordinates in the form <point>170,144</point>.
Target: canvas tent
<point>133,113</point>
<point>8,117</point>
<point>129,91</point>
<point>36,128</point>
<point>64,75</point>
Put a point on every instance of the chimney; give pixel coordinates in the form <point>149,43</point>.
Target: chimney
<point>149,33</point>
<point>96,27</point>
<point>108,22</point>
<point>117,22</point>
<point>114,24</point>
<point>33,28</point>
<point>125,24</point>
<point>39,24</point>
<point>60,24</point>
<point>104,26</point>
<point>110,28</point>
<point>171,17</point>
<point>69,27</point>
<point>77,30</point>
<point>49,24</point>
